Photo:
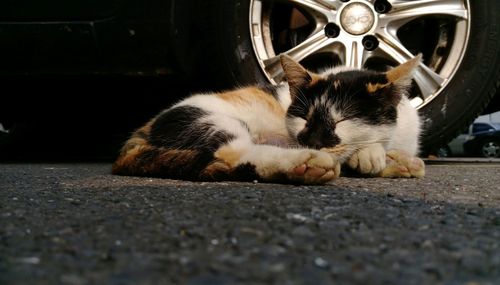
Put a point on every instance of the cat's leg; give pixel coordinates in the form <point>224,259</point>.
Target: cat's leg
<point>275,164</point>
<point>375,161</point>
<point>369,160</point>
<point>399,163</point>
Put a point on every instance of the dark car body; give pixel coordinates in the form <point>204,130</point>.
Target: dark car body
<point>93,36</point>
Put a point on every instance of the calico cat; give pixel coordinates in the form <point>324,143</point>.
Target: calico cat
<point>301,131</point>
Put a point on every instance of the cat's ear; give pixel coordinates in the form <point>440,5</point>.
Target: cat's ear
<point>399,76</point>
<point>296,75</point>
<point>403,73</point>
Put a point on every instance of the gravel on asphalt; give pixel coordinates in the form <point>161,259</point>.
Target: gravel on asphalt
<point>77,224</point>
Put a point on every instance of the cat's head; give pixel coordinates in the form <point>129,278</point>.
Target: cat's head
<point>344,106</point>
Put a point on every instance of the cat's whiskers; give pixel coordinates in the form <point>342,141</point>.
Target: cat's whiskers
<point>344,151</point>
<point>369,142</point>
<point>301,99</point>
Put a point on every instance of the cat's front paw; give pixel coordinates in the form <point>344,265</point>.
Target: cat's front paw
<point>314,167</point>
<point>369,160</point>
<point>400,164</point>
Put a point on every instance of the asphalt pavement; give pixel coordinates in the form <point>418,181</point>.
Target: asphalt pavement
<point>76,224</point>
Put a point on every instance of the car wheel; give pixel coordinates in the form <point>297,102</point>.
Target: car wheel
<point>443,151</point>
<point>458,39</point>
<point>490,149</point>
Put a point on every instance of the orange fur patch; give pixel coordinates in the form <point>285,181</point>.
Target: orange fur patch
<point>252,95</point>
<point>403,70</point>
<point>338,149</point>
<point>126,162</point>
<point>310,113</point>
<point>214,170</point>
<point>315,78</point>
<point>229,155</point>
<point>371,88</point>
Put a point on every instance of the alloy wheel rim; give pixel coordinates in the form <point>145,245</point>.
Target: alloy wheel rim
<point>430,79</point>
<point>491,149</point>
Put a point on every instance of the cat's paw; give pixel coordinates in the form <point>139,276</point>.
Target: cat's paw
<point>314,167</point>
<point>369,160</point>
<point>400,164</point>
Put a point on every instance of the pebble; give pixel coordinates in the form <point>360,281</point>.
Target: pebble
<point>427,244</point>
<point>29,260</point>
<point>297,217</point>
<point>320,262</point>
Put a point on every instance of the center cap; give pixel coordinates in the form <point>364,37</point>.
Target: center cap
<point>357,18</point>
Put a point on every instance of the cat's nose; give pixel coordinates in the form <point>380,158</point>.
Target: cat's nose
<point>317,139</point>
<point>310,142</point>
<point>317,144</point>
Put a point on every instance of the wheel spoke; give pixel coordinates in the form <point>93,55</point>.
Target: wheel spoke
<point>354,54</point>
<point>404,11</point>
<point>393,48</point>
<point>311,45</point>
<point>427,80</point>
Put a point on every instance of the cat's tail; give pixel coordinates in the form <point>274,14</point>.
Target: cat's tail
<point>139,158</point>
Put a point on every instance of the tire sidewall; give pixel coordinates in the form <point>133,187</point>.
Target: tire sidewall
<point>234,45</point>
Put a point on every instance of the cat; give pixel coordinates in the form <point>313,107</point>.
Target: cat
<point>300,131</point>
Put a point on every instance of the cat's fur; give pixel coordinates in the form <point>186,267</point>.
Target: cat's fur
<point>300,131</point>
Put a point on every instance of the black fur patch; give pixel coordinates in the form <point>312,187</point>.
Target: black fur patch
<point>377,108</point>
<point>178,128</point>
<point>174,165</point>
<point>351,97</point>
<point>319,131</point>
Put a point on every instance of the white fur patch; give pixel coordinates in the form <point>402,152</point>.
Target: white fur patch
<point>221,111</point>
<point>408,127</point>
<point>295,125</point>
<point>336,114</point>
<point>284,97</point>
<point>355,132</point>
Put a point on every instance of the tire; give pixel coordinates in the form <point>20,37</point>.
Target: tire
<point>443,152</point>
<point>490,149</point>
<point>230,54</point>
